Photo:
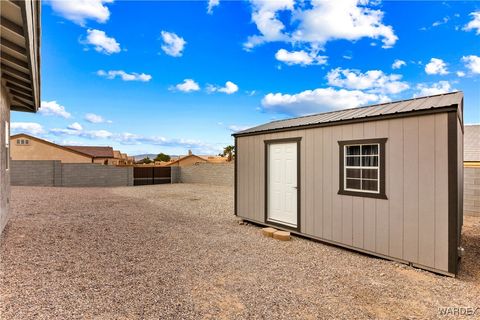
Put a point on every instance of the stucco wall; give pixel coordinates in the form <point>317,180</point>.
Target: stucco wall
<point>4,173</point>
<point>38,150</point>
<point>55,173</point>
<point>207,173</point>
<point>471,204</point>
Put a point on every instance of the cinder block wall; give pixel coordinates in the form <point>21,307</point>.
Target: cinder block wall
<point>175,174</point>
<point>207,173</point>
<point>471,197</point>
<point>95,175</point>
<point>57,174</point>
<point>34,173</point>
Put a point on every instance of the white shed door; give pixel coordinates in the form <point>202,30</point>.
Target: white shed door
<point>282,183</point>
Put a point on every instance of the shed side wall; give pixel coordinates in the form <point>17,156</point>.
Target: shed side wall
<point>411,225</point>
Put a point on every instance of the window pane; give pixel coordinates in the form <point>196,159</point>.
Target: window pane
<point>369,149</point>
<point>353,173</point>
<point>353,161</point>
<point>370,173</point>
<point>370,161</point>
<point>353,150</point>
<point>369,185</point>
<point>353,184</point>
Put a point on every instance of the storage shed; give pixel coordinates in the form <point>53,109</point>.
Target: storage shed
<point>385,179</point>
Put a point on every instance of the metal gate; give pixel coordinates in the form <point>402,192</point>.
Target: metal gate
<point>151,175</point>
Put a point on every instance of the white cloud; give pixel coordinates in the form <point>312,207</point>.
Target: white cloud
<point>112,74</point>
<point>264,15</point>
<point>52,108</point>
<point>440,22</point>
<point>32,128</point>
<point>318,23</point>
<point>173,45</point>
<point>79,11</point>
<point>101,42</point>
<point>318,100</point>
<point>374,81</point>
<point>127,138</point>
<point>299,57</point>
<point>211,5</point>
<point>474,25</point>
<point>95,118</point>
<point>236,128</point>
<point>397,64</point>
<point>436,66</point>
<point>472,62</point>
<point>75,126</point>
<point>460,74</point>
<point>229,88</point>
<point>435,88</point>
<point>188,85</point>
<point>92,134</point>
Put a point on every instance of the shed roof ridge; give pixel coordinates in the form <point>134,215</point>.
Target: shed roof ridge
<point>368,106</point>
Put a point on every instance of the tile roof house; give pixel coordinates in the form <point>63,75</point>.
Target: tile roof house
<point>472,145</point>
<point>27,147</point>
<point>101,155</point>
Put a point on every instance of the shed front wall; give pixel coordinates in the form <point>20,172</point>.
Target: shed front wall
<point>411,225</point>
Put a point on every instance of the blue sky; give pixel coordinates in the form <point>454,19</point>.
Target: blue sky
<point>155,76</point>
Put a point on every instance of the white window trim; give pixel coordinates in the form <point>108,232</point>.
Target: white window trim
<point>345,167</point>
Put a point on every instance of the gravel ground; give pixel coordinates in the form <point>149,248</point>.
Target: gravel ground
<point>177,251</point>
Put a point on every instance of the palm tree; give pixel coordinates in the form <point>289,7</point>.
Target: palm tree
<point>229,152</point>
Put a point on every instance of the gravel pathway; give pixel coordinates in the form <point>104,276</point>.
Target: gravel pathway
<point>177,252</point>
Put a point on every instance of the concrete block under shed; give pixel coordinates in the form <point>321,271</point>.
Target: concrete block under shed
<point>281,235</point>
<point>268,232</point>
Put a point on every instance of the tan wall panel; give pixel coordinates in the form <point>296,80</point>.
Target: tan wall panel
<point>309,183</point>
<point>410,188</point>
<point>382,212</point>
<point>395,182</point>
<point>441,192</point>
<point>337,227</point>
<point>318,182</point>
<point>369,207</point>
<point>347,202</point>
<point>327,184</point>
<point>358,218</point>
<point>426,181</point>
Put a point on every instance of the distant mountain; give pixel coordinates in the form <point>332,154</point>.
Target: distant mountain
<point>142,156</point>
<point>152,156</point>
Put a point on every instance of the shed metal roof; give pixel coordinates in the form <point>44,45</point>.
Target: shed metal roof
<point>422,104</point>
<point>472,143</point>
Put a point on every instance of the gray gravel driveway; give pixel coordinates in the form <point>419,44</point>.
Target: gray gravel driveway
<point>177,252</point>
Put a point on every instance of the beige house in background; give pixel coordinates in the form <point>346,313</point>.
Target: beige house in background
<point>192,159</point>
<point>186,161</point>
<point>100,155</point>
<point>26,147</point>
